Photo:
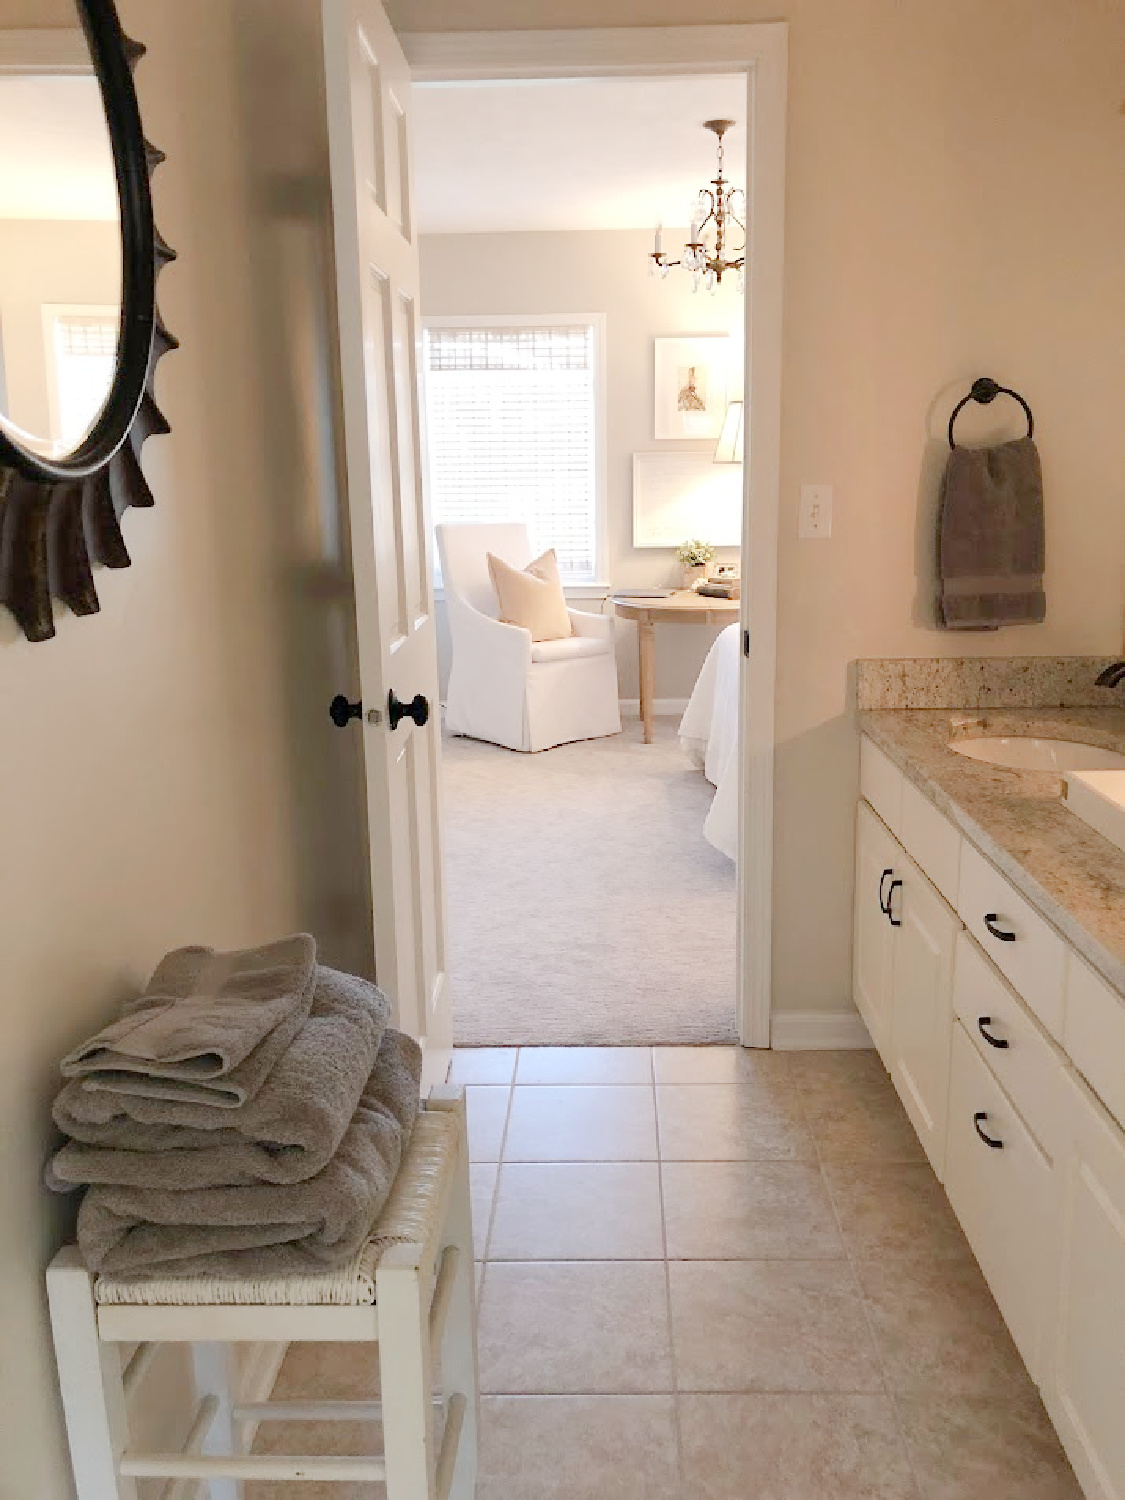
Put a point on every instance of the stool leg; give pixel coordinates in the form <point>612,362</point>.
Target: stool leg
<point>213,1370</point>
<point>93,1395</point>
<point>459,1345</point>
<point>405,1376</point>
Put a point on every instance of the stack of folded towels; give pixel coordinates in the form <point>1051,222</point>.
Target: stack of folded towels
<point>245,1117</point>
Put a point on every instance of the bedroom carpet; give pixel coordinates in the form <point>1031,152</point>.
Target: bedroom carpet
<point>584,905</point>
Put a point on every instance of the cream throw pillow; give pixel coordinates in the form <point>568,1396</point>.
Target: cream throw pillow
<point>532,597</point>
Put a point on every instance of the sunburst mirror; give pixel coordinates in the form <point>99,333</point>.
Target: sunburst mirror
<point>80,334</point>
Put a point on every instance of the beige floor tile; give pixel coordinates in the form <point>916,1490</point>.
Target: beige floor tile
<point>483,1064</point>
<point>894,1208</point>
<point>580,1123</point>
<point>585,1065</point>
<point>747,1211</point>
<point>578,1211</point>
<point>717,1064</point>
<point>482,1189</point>
<point>487,1107</point>
<point>732,1122</point>
<point>578,1448</point>
<point>860,1121</point>
<point>937,1328</point>
<point>793,1447</point>
<point>1001,1447</point>
<point>558,1328</point>
<point>773,1325</point>
<point>823,1072</point>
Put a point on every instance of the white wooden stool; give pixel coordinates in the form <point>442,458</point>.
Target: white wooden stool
<point>410,1290</point>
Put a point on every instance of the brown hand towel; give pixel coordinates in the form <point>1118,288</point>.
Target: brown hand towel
<point>287,1132</point>
<point>209,1026</point>
<point>266,1230</point>
<point>991,540</point>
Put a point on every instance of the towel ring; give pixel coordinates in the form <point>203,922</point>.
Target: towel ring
<point>983,391</point>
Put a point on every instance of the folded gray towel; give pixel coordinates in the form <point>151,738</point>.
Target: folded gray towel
<point>272,1230</point>
<point>209,1026</point>
<point>992,543</point>
<point>287,1132</point>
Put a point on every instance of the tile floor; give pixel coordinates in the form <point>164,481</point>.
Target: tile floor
<point>708,1274</point>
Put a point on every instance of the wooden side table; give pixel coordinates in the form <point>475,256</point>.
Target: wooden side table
<point>684,607</point>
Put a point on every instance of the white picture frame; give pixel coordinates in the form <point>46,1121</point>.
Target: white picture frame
<point>690,370</point>
<point>680,496</point>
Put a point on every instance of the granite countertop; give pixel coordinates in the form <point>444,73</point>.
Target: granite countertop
<point>1018,819</point>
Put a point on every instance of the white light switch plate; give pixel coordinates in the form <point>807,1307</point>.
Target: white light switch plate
<point>815,517</point>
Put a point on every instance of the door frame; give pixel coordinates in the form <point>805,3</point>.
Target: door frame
<point>761,52</point>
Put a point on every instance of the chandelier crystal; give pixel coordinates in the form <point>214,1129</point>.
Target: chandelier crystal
<point>718,222</point>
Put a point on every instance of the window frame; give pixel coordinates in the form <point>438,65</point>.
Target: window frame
<point>52,312</point>
<point>596,587</point>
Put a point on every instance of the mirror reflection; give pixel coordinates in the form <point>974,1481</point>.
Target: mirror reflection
<point>60,254</point>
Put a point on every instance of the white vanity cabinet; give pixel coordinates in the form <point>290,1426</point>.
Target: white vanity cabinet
<point>922,1007</point>
<point>1008,1052</point>
<point>1084,1384</point>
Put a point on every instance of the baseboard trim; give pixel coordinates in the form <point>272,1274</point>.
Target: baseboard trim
<point>807,1030</point>
<point>632,706</point>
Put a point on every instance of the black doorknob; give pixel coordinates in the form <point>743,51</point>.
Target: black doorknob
<point>341,712</point>
<point>417,709</point>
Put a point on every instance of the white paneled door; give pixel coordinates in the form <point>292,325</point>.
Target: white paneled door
<point>368,89</point>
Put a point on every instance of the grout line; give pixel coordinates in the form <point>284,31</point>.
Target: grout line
<point>677,1423</point>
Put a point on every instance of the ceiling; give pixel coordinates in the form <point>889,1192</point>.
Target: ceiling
<point>55,159</point>
<point>588,153</point>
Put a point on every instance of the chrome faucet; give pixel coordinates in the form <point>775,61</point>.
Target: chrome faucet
<point>1112,675</point>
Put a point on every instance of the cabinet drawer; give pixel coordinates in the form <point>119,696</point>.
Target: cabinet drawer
<point>1003,1195</point>
<point>880,782</point>
<point>1034,955</point>
<point>932,840</point>
<point>1019,1054</point>
<point>1094,1034</point>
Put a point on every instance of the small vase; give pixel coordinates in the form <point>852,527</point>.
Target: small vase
<point>694,575</point>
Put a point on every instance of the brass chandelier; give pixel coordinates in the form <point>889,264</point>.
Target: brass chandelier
<point>719,218</point>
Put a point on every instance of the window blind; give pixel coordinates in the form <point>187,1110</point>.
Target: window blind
<point>85,355</point>
<point>511,429</point>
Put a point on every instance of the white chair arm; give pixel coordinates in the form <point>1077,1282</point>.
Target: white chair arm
<point>600,627</point>
<point>507,648</point>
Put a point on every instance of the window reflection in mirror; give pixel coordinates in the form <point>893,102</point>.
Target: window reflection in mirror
<point>60,248</point>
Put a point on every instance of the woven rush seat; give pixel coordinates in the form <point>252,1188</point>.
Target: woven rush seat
<point>411,1215</point>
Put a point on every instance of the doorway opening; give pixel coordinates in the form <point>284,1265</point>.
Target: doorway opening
<point>593,893</point>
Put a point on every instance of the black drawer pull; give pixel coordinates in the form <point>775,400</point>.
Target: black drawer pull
<point>990,920</point>
<point>988,1140</point>
<point>895,885</point>
<point>993,1041</point>
<point>882,883</point>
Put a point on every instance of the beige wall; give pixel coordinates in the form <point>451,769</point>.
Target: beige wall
<point>43,262</point>
<point>530,274</point>
<point>954,207</point>
<point>167,769</point>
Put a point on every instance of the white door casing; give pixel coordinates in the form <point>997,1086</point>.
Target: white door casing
<point>368,100</point>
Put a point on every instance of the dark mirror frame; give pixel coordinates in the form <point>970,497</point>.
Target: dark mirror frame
<point>59,517</point>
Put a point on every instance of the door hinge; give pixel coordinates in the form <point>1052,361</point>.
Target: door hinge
<point>746,643</point>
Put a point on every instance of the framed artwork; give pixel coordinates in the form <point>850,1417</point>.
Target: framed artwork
<point>691,385</point>
<point>681,495</point>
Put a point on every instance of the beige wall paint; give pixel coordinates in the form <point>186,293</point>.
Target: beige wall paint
<point>44,262</point>
<point>953,208</point>
<point>167,769</point>
<point>604,272</point>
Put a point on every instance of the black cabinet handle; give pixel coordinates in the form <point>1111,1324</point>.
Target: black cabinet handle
<point>989,1140</point>
<point>895,885</point>
<point>993,1041</point>
<point>990,920</point>
<point>341,712</point>
<point>882,883</point>
<point>417,709</point>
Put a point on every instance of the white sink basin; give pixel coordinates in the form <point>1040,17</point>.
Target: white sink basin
<point>1098,798</point>
<point>1024,753</point>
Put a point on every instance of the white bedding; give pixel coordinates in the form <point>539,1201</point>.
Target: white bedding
<point>709,733</point>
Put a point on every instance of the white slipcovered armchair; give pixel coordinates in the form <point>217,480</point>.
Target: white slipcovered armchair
<point>503,687</point>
